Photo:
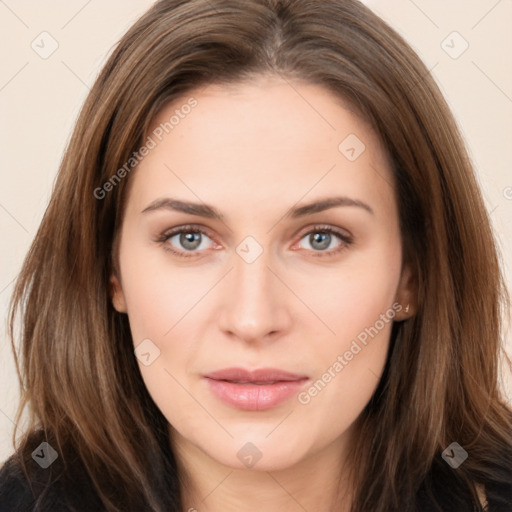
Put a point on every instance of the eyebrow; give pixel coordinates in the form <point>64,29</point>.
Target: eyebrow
<point>205,210</point>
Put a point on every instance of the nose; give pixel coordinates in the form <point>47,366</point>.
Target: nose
<point>256,305</point>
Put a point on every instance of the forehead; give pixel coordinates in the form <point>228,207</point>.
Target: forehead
<point>271,139</point>
<point>275,113</point>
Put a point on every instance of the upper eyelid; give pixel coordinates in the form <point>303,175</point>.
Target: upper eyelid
<point>188,228</point>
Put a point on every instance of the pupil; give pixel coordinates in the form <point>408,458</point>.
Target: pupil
<point>323,239</point>
<point>189,240</point>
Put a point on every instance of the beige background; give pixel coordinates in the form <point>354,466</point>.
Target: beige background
<point>40,99</point>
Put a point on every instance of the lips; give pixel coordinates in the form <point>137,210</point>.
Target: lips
<point>262,375</point>
<point>254,390</point>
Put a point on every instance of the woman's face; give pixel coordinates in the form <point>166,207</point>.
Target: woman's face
<point>261,233</point>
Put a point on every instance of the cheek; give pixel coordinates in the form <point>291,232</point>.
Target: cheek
<point>357,304</point>
<point>161,303</point>
<point>159,295</point>
<point>351,297</point>
<point>359,308</point>
<point>360,313</point>
<point>160,307</point>
<point>349,366</point>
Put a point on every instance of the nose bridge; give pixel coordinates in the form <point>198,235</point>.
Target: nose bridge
<point>252,278</point>
<point>253,283</point>
<point>255,307</point>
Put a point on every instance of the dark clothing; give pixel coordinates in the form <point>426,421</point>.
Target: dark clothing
<point>17,495</point>
<point>15,492</point>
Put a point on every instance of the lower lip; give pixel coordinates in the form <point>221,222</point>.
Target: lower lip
<point>255,397</point>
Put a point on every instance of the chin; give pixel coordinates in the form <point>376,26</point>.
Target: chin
<point>256,454</point>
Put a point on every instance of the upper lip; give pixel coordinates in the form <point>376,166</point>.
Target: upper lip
<point>257,375</point>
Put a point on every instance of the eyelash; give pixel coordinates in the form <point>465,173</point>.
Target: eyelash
<point>345,239</point>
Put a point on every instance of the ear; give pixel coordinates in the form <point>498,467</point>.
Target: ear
<point>407,294</point>
<point>117,295</point>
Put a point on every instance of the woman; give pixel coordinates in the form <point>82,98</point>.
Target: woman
<point>266,280</point>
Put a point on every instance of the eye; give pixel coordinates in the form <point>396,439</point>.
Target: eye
<point>321,238</point>
<point>189,241</point>
<point>183,240</point>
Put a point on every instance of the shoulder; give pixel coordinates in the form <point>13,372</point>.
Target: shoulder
<point>42,490</point>
<point>453,491</point>
<point>15,492</point>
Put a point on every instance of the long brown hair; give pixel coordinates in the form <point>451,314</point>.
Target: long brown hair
<point>77,369</point>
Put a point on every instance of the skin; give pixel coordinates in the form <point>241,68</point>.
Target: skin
<point>253,151</point>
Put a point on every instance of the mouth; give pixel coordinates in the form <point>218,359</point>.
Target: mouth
<point>255,390</point>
